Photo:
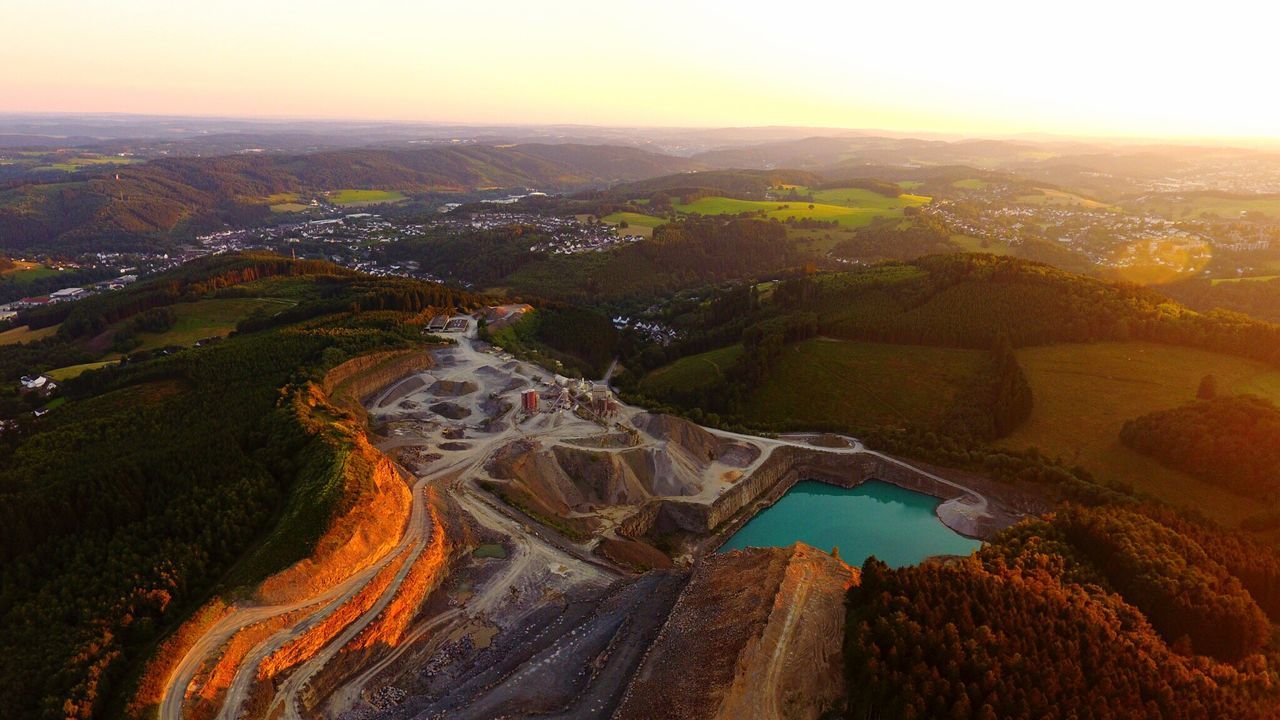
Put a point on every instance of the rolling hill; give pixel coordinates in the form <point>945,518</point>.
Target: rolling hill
<point>134,206</point>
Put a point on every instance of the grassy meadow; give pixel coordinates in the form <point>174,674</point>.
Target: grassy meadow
<point>824,382</point>
<point>24,272</point>
<point>850,207</point>
<point>637,223</point>
<point>1048,196</point>
<point>352,197</point>
<point>206,318</point>
<point>24,334</point>
<point>1085,393</point>
<point>1176,207</point>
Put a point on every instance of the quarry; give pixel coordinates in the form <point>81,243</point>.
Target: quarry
<point>548,550</point>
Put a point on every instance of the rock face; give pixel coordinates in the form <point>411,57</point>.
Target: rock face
<point>756,634</point>
<point>453,411</point>
<point>452,388</point>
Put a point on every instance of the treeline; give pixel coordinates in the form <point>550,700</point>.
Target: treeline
<point>11,290</point>
<point>1231,442</point>
<point>885,241</point>
<point>583,341</point>
<point>970,300</point>
<point>1256,298</point>
<point>995,403</point>
<point>1092,613</point>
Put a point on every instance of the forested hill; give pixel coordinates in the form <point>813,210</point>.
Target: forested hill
<point>124,506</point>
<point>152,200</point>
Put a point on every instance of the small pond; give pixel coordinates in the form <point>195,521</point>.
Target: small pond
<point>875,518</point>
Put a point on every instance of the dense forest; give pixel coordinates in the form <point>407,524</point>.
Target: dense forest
<point>1089,613</point>
<point>121,510</point>
<point>1233,442</point>
<point>1258,298</point>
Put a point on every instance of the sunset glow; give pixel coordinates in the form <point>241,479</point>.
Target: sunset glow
<point>1089,68</point>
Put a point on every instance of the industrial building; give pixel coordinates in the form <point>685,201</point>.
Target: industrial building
<point>529,401</point>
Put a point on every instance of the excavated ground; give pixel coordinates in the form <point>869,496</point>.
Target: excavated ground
<point>558,624</point>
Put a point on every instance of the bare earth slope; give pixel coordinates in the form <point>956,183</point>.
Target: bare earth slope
<point>777,619</point>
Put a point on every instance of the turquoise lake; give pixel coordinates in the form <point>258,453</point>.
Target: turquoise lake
<point>897,526</point>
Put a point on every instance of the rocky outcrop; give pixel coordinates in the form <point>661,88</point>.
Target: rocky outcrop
<point>348,385</point>
<point>452,388</point>
<point>693,439</point>
<point>756,633</point>
<point>453,411</point>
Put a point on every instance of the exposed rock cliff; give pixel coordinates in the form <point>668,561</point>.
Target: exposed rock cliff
<point>757,633</point>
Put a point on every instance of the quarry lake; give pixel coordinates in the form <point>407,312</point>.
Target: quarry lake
<point>875,518</point>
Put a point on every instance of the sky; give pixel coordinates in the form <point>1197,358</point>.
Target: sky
<point>1118,68</point>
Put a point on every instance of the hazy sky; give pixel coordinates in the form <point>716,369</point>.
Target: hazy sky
<point>1117,67</point>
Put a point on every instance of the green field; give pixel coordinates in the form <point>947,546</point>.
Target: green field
<point>24,272</point>
<point>637,223</point>
<point>351,197</point>
<point>289,207</point>
<point>1085,393</point>
<point>852,207</point>
<point>824,383</point>
<point>978,245</point>
<point>971,184</point>
<point>910,184</point>
<point>24,334</point>
<point>83,161</point>
<point>1192,206</point>
<point>1059,197</point>
<point>696,371</point>
<point>66,373</point>
<point>206,318</point>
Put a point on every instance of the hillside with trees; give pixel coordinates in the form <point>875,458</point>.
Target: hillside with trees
<point>129,504</point>
<point>140,206</point>
<point>1232,442</point>
<point>1102,613</point>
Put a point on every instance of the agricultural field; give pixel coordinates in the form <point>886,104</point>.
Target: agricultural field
<point>696,371</point>
<point>355,198</point>
<point>1085,393</point>
<point>1048,196</point>
<point>79,162</point>
<point>1251,278</point>
<point>637,223</point>
<point>285,202</point>
<point>850,207</point>
<point>823,382</point>
<point>837,382</point>
<point>980,245</point>
<point>206,318</point>
<point>971,184</point>
<point>66,373</point>
<point>24,334</point>
<point>24,272</point>
<point>1176,207</point>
